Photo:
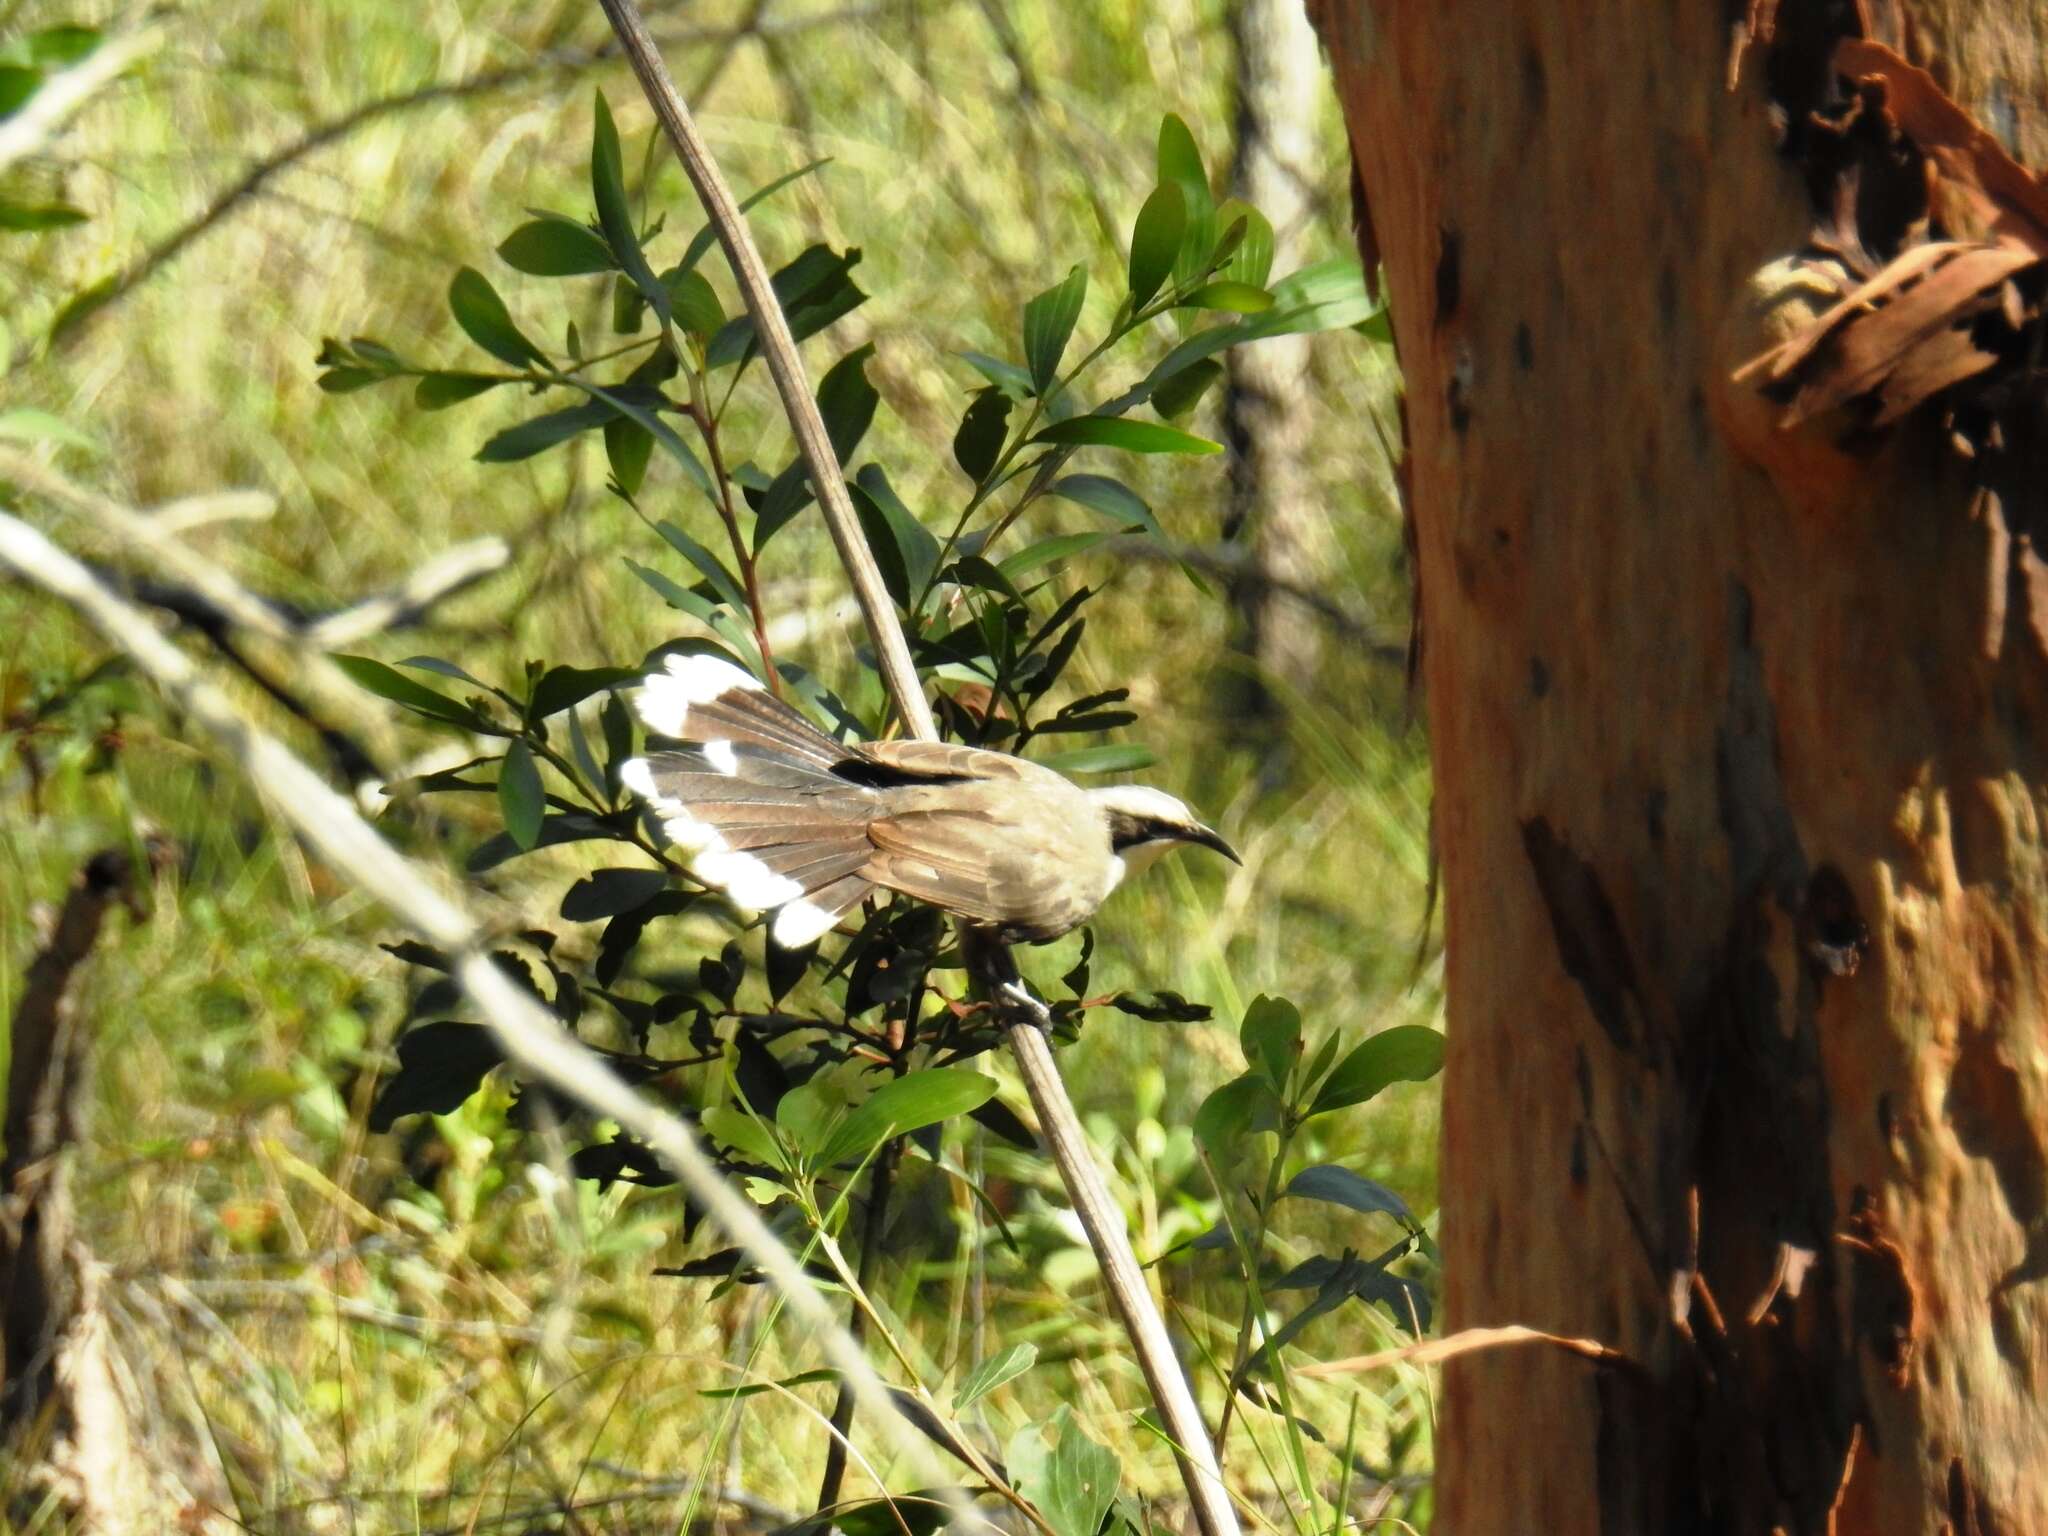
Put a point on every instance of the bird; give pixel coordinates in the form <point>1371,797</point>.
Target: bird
<point>780,816</point>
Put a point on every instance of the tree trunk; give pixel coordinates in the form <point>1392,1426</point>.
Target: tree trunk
<point>1272,505</point>
<point>1707,734</point>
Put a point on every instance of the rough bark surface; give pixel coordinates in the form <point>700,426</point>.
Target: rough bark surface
<point>1741,797</point>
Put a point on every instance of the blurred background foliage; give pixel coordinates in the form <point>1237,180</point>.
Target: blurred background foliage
<point>423,1329</point>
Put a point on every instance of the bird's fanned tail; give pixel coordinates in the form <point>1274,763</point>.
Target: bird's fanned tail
<point>755,803</point>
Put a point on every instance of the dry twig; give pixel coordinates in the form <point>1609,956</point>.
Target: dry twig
<point>1029,1019</point>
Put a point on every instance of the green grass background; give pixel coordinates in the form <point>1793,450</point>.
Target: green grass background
<point>408,1332</point>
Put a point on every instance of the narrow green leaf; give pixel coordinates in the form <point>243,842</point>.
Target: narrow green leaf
<point>614,216</point>
<point>628,446</point>
<point>1181,393</point>
<point>442,668</point>
<point>1121,758</point>
<point>1049,325</point>
<point>1060,546</point>
<point>906,1104</point>
<point>1270,1038</point>
<point>402,690</point>
<point>1252,262</point>
<point>696,305</point>
<point>1008,377</point>
<point>32,218</point>
<point>1110,498</point>
<point>543,432</point>
<point>437,391</point>
<point>755,1389</point>
<point>1340,1186</point>
<point>483,316</point>
<point>1237,298</point>
<point>1180,164</point>
<point>563,688</point>
<point>703,240</point>
<point>1325,297</point>
<point>979,441</point>
<point>608,892</point>
<point>847,401</point>
<point>743,1133</point>
<point>1155,240</point>
<point>893,528</point>
<point>554,246</point>
<point>1131,436</point>
<point>557,827</point>
<point>994,1372</point>
<point>520,797</point>
<point>723,582</point>
<point>1241,1106</point>
<point>1407,1053</point>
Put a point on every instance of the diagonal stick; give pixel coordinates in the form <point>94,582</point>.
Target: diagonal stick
<point>1099,1214</point>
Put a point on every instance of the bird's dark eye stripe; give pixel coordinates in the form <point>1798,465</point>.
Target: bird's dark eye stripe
<point>1129,831</point>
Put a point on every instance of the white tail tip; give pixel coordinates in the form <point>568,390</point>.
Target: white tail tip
<point>664,698</point>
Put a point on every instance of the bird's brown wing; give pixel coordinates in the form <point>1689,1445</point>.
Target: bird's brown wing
<point>939,760</point>
<point>943,857</point>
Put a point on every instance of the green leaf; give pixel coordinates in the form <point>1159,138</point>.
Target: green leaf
<point>1077,1483</point>
<point>1325,297</point>
<point>438,391</point>
<point>1407,1053</point>
<point>1008,377</point>
<point>744,1134</point>
<point>346,381</point>
<point>563,688</point>
<point>696,303</point>
<point>627,447</point>
<point>992,1373</point>
<point>723,582</point>
<point>1059,547</point>
<point>979,442</point>
<point>756,1388</point>
<point>1252,262</point>
<point>1131,436</point>
<point>813,290</point>
<point>1049,325</point>
<point>442,668</point>
<point>1340,1186</point>
<point>1179,394</point>
<point>905,548</point>
<point>27,424</point>
<point>1111,498</point>
<point>1241,1106</point>
<point>635,405</point>
<point>402,690</point>
<point>614,216</point>
<point>1180,165</point>
<point>1155,240</point>
<point>557,827</point>
<point>1238,298</point>
<point>847,401</point>
<point>906,1104</point>
<point>1271,1038</point>
<point>482,314</point>
<point>543,432</point>
<point>703,240</point>
<point>520,797</point>
<point>439,1066</point>
<point>608,892</point>
<point>555,246</point>
<point>1125,757</point>
<point>31,218</point>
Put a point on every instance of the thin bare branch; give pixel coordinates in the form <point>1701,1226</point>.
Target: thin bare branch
<point>990,962</point>
<point>531,1037</point>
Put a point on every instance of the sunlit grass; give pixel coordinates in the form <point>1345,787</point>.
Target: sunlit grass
<point>427,1329</point>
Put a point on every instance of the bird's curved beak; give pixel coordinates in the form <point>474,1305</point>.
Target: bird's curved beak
<point>1209,838</point>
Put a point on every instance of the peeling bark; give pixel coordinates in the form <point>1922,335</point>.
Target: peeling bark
<point>1741,788</point>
